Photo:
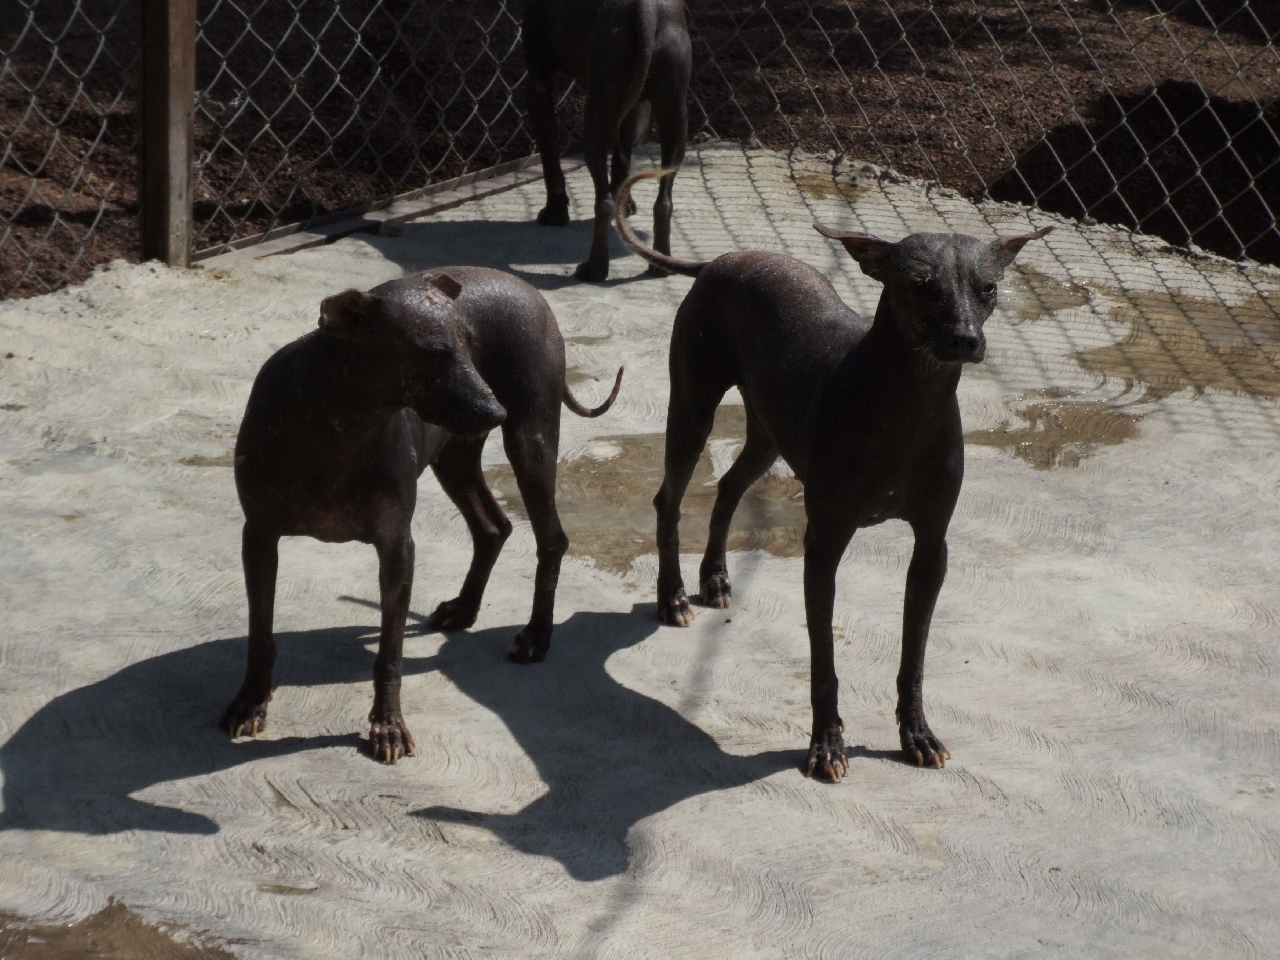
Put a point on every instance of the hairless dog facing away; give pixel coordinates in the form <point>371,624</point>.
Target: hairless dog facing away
<point>342,422</point>
<point>627,54</point>
<point>864,413</point>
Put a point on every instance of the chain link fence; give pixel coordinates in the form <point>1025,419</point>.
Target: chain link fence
<point>1158,115</point>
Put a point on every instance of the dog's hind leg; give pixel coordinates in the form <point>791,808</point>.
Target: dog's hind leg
<point>542,117</point>
<point>246,715</point>
<point>629,131</point>
<point>532,447</point>
<point>758,454</point>
<point>669,84</point>
<point>457,467</point>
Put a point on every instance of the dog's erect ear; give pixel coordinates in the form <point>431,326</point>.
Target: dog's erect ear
<point>872,253</point>
<point>450,287</point>
<point>1005,249</point>
<point>343,314</point>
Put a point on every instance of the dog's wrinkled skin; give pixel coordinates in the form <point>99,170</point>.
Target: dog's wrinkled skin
<point>864,413</point>
<point>629,55</point>
<point>342,422</point>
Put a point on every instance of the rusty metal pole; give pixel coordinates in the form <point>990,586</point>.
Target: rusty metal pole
<point>167,141</point>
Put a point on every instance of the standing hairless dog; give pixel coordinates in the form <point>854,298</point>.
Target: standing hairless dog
<point>864,413</point>
<point>625,53</point>
<point>342,422</point>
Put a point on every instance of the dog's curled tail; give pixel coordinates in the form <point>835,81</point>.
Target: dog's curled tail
<point>688,268</point>
<point>572,403</point>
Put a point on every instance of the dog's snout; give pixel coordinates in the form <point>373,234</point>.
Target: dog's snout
<point>964,342</point>
<point>496,415</point>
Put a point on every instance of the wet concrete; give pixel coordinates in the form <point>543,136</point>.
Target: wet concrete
<point>605,499</point>
<point>1178,342</point>
<point>1027,295</point>
<point>116,933</point>
<point>1058,429</point>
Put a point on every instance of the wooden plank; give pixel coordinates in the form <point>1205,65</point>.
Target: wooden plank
<point>167,142</point>
<point>374,220</point>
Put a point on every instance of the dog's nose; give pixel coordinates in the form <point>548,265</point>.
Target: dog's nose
<point>964,342</point>
<point>496,415</point>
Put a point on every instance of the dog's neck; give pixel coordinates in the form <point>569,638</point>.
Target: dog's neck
<point>913,371</point>
<point>351,386</point>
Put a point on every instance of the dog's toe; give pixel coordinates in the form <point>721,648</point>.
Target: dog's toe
<point>716,591</point>
<point>529,646</point>
<point>554,215</point>
<point>390,740</point>
<point>657,271</point>
<point>826,760</point>
<point>245,716</point>
<point>922,748</point>
<point>452,615</point>
<point>592,272</point>
<point>676,611</point>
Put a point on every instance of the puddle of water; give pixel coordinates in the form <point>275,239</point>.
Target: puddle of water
<point>222,460</point>
<point>1058,429</point>
<point>116,933</point>
<point>1176,342</point>
<point>605,499</point>
<point>1027,295</point>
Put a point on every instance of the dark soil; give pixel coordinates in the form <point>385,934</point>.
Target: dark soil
<point>1156,114</point>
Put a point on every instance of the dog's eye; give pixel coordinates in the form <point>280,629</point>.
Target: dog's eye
<point>924,281</point>
<point>988,290</point>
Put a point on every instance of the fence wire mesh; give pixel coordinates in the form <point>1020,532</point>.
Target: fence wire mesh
<point>1158,115</point>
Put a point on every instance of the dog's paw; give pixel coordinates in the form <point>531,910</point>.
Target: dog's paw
<point>826,759</point>
<point>592,272</point>
<point>529,646</point>
<point>555,213</point>
<point>919,745</point>
<point>245,716</point>
<point>716,591</point>
<point>389,738</point>
<point>657,271</point>
<point>452,615</point>
<point>631,207</point>
<point>676,611</point>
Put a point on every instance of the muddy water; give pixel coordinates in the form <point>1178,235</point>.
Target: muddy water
<point>605,499</point>
<point>1175,341</point>
<point>116,933</point>
<point>1058,429</point>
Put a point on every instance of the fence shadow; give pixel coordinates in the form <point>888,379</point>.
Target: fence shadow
<point>75,763</point>
<point>609,756</point>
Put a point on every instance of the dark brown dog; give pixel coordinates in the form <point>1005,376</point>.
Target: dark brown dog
<point>864,413</point>
<point>628,55</point>
<point>342,422</point>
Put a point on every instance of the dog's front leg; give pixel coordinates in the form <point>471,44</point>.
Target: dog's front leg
<point>389,738</point>
<point>824,545</point>
<point>924,579</point>
<point>246,715</point>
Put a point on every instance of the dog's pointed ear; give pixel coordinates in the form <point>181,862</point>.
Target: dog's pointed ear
<point>345,313</point>
<point>1006,248</point>
<point>450,287</point>
<point>872,253</point>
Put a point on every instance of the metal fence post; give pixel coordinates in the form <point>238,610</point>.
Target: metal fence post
<point>168,90</point>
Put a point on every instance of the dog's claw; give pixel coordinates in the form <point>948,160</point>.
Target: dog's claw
<point>676,611</point>
<point>390,740</point>
<point>826,757</point>
<point>920,745</point>
<point>529,646</point>
<point>716,591</point>
<point>452,615</point>
<point>245,716</point>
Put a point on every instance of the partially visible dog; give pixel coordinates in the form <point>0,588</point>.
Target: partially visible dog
<point>864,413</point>
<point>342,422</point>
<point>629,55</point>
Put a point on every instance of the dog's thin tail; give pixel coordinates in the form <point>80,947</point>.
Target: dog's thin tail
<point>572,403</point>
<point>688,268</point>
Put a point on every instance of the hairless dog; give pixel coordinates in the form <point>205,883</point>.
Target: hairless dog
<point>342,422</point>
<point>626,54</point>
<point>864,413</point>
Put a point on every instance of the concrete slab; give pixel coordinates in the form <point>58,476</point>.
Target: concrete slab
<point>1103,667</point>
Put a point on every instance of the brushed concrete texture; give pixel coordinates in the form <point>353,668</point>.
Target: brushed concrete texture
<point>1103,666</point>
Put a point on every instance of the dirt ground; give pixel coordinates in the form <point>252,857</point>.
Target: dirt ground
<point>1179,103</point>
<point>1103,663</point>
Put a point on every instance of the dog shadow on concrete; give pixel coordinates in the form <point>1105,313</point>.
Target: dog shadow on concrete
<point>609,756</point>
<point>501,245</point>
<point>75,763</point>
